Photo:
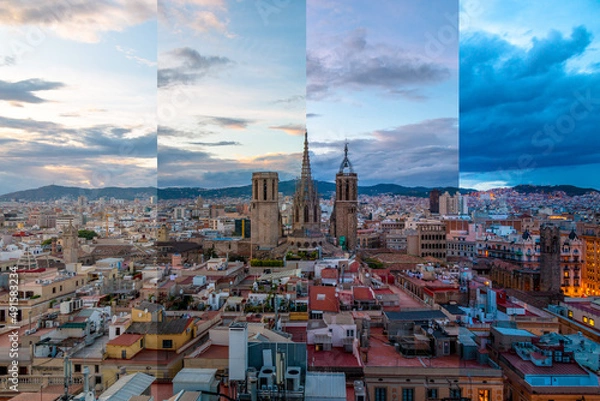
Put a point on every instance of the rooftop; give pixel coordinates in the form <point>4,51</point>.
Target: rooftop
<point>127,387</point>
<point>125,340</point>
<point>170,326</point>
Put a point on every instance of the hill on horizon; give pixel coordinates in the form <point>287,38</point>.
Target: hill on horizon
<point>325,189</point>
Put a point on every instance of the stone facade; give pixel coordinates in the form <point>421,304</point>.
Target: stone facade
<point>344,221</point>
<point>550,271</point>
<point>70,245</point>
<point>264,210</point>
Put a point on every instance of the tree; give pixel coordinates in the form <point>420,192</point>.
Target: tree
<point>48,241</point>
<point>87,234</point>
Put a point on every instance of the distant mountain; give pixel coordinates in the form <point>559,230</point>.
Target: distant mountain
<point>54,192</point>
<point>287,188</point>
<point>326,189</point>
<point>570,190</point>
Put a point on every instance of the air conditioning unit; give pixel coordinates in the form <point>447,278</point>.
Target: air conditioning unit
<point>292,378</point>
<point>266,377</point>
<point>360,394</point>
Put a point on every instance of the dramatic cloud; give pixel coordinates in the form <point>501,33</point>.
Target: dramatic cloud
<point>79,20</point>
<point>524,109</point>
<point>416,154</point>
<point>89,156</point>
<point>290,129</point>
<point>179,167</point>
<point>355,64</point>
<point>23,91</point>
<point>191,66</point>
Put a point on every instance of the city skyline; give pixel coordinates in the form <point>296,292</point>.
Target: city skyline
<point>201,94</point>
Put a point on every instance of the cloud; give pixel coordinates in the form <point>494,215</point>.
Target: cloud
<point>423,153</point>
<point>199,16</point>
<point>355,64</point>
<point>23,91</point>
<point>185,167</point>
<point>45,140</point>
<point>312,115</point>
<point>227,122</point>
<point>524,109</point>
<point>221,143</point>
<point>290,129</point>
<point>290,100</point>
<point>79,20</point>
<point>130,55</point>
<point>191,66</point>
<point>47,152</point>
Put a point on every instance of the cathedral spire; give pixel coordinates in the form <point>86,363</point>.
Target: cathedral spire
<point>306,174</point>
<point>346,162</point>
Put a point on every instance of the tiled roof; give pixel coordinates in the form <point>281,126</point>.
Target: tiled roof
<point>125,340</point>
<point>363,293</point>
<point>322,298</point>
<point>329,273</point>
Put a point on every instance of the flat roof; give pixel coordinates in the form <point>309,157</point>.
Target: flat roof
<point>507,331</point>
<point>323,386</point>
<point>195,375</point>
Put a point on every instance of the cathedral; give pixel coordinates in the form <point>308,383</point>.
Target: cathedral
<point>306,231</point>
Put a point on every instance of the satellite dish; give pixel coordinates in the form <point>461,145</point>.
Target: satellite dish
<point>430,331</point>
<point>146,310</point>
<point>114,319</point>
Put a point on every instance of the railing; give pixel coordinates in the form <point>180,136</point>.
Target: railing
<point>37,382</point>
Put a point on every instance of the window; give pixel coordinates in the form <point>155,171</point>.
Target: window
<point>380,393</point>
<point>54,290</point>
<point>77,368</point>
<point>570,313</point>
<point>167,344</point>
<point>408,394</point>
<point>484,395</point>
<point>432,393</point>
<point>349,333</point>
<point>585,319</point>
<point>591,322</point>
<point>123,354</point>
<point>118,331</point>
<point>96,368</point>
<point>455,393</point>
<point>142,343</point>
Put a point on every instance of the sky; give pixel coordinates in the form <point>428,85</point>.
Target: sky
<point>383,76</point>
<point>77,93</point>
<point>204,92</point>
<point>231,91</point>
<point>529,93</point>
